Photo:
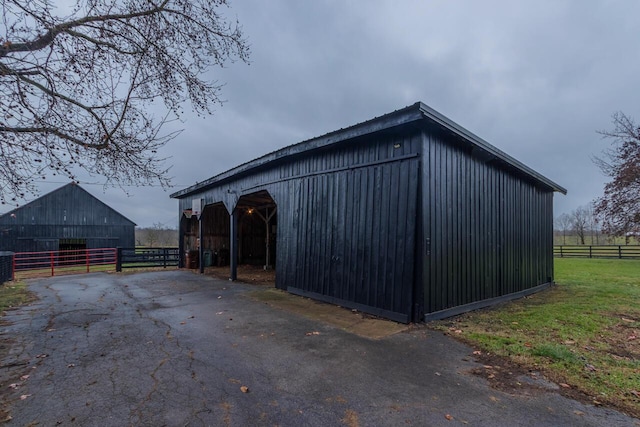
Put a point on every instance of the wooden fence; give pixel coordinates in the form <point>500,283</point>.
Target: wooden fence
<point>597,251</point>
<point>147,257</point>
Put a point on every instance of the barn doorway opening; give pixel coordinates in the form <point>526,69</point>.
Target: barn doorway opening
<point>256,237</point>
<point>72,251</point>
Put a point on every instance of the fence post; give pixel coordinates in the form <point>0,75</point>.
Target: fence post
<point>561,254</point>
<point>86,256</point>
<point>13,266</point>
<point>118,259</point>
<point>590,251</point>
<point>164,257</point>
<point>619,251</point>
<point>52,259</point>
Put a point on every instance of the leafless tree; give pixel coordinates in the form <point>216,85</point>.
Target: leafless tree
<point>79,84</point>
<point>619,207</point>
<point>564,223</point>
<point>593,227</point>
<point>157,235</point>
<point>580,219</point>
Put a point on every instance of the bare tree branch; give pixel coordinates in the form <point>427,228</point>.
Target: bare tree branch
<point>619,207</point>
<point>78,84</point>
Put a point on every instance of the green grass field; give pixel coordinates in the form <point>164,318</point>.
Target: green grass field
<point>584,332</point>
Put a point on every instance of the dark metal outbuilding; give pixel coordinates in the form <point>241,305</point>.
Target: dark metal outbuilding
<point>407,216</point>
<point>68,218</point>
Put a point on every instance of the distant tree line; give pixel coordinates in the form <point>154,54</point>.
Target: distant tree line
<point>157,235</point>
<point>615,216</point>
<point>579,226</point>
<point>582,227</point>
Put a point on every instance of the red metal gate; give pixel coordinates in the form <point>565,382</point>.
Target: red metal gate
<point>52,263</point>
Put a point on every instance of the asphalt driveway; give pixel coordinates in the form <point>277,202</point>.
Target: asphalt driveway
<point>175,348</point>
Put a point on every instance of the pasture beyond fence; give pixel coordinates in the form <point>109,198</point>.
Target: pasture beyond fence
<point>597,251</point>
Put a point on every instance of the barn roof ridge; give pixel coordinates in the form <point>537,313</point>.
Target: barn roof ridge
<point>73,184</point>
<point>412,113</point>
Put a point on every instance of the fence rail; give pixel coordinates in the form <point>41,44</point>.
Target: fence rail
<point>147,257</point>
<point>23,265</point>
<point>597,251</point>
<point>51,263</point>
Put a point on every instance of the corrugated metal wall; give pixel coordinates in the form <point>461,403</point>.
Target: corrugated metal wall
<point>488,232</point>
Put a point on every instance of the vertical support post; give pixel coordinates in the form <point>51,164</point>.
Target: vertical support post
<point>13,266</point>
<point>118,259</point>
<point>51,259</point>
<point>233,245</point>
<point>619,251</point>
<point>200,246</point>
<point>164,257</point>
<point>267,264</point>
<point>181,233</point>
<point>86,258</point>
<point>590,251</point>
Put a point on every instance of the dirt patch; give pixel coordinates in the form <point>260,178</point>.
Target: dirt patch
<point>254,274</point>
<point>624,338</point>
<point>352,321</point>
<point>510,377</point>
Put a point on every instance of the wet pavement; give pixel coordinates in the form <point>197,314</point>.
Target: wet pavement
<point>175,349</point>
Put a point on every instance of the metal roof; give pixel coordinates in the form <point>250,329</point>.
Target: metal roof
<point>410,114</point>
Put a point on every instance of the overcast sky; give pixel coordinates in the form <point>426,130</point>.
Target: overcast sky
<point>535,79</point>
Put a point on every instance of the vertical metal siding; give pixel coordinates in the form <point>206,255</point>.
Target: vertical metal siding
<point>489,230</point>
<point>66,213</point>
<point>355,237</point>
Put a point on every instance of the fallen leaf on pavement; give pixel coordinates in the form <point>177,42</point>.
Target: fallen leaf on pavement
<point>14,386</point>
<point>313,333</point>
<point>244,389</point>
<point>24,377</point>
<point>448,417</point>
<point>24,396</point>
<point>564,385</point>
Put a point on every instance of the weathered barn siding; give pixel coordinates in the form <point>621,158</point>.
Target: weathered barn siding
<point>408,216</point>
<point>68,214</point>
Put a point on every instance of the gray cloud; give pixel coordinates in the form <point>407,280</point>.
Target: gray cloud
<point>535,79</point>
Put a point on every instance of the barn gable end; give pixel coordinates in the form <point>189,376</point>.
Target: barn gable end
<point>69,217</point>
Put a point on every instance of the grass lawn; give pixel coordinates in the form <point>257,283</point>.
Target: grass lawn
<point>13,294</point>
<point>583,333</point>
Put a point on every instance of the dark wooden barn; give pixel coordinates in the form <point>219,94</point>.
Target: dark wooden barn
<point>407,216</point>
<point>66,219</point>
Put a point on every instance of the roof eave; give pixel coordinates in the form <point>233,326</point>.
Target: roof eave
<point>446,123</point>
<point>399,117</point>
